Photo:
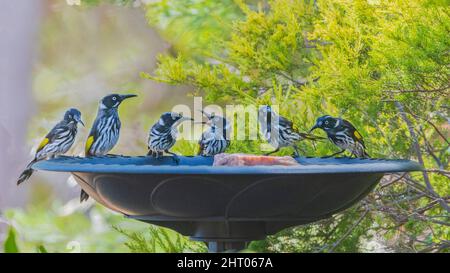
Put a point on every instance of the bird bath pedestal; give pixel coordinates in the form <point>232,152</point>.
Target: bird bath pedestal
<point>227,207</point>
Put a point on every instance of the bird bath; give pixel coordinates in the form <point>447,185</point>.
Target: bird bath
<point>226,206</point>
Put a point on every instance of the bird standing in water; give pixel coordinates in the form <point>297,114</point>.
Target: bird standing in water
<point>214,140</point>
<point>57,142</point>
<point>279,131</point>
<point>342,134</point>
<point>163,134</point>
<point>105,131</point>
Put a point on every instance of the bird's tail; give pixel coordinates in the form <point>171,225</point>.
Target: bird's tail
<point>84,196</point>
<point>26,173</point>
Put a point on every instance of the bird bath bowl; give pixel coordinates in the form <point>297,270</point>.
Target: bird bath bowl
<point>226,206</point>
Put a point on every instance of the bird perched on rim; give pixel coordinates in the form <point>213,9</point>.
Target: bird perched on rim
<point>105,131</point>
<point>342,134</point>
<point>163,134</point>
<point>57,142</point>
<point>214,140</point>
<point>279,131</point>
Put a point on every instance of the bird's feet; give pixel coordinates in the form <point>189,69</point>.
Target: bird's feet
<point>176,159</point>
<point>155,154</point>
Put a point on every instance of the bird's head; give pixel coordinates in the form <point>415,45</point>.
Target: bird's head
<point>114,100</point>
<point>266,115</point>
<point>73,115</point>
<point>264,111</point>
<point>215,120</point>
<point>172,119</point>
<point>325,123</point>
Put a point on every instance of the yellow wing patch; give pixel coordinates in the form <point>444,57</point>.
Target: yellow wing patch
<point>358,135</point>
<point>43,143</point>
<point>89,142</point>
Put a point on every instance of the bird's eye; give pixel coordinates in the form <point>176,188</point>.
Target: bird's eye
<point>114,98</point>
<point>326,122</point>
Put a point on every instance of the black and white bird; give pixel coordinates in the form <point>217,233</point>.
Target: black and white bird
<point>279,131</point>
<point>57,142</point>
<point>163,134</point>
<point>214,140</point>
<point>105,131</point>
<point>342,134</point>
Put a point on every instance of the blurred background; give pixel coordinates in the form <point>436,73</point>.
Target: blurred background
<point>66,56</point>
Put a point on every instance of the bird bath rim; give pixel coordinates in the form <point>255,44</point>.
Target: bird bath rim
<point>203,165</point>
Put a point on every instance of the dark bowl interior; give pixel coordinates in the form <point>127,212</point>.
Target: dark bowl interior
<point>226,203</point>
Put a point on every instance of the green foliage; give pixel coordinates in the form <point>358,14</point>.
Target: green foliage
<point>41,230</point>
<point>383,65</point>
<point>160,240</point>
<point>60,229</point>
<point>247,63</point>
<point>10,245</point>
<point>321,237</point>
<point>208,21</point>
<point>41,249</point>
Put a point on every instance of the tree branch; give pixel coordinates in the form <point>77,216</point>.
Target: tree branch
<point>349,231</point>
<point>416,147</point>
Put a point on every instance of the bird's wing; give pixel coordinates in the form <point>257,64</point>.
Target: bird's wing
<point>44,142</point>
<point>354,133</point>
<point>284,122</point>
<point>347,124</point>
<point>89,142</point>
<point>288,125</point>
<point>52,135</point>
<point>201,143</point>
<point>93,134</point>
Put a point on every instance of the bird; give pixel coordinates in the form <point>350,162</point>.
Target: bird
<point>279,131</point>
<point>214,139</point>
<point>57,142</point>
<point>105,130</point>
<point>163,134</point>
<point>342,134</point>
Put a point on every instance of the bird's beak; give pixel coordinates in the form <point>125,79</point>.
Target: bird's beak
<point>208,116</point>
<point>205,114</point>
<point>80,121</point>
<point>314,128</point>
<point>185,118</point>
<point>124,97</point>
<point>180,120</point>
